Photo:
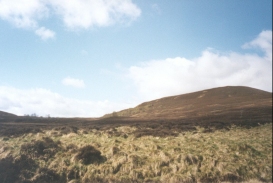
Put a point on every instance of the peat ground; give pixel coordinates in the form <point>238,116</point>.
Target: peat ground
<point>217,135</point>
<point>252,116</point>
<point>217,108</point>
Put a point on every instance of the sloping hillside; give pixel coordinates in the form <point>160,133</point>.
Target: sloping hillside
<point>6,114</point>
<point>216,135</point>
<point>216,101</point>
<point>217,108</point>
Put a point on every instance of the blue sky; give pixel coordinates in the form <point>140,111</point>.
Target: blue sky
<point>91,57</point>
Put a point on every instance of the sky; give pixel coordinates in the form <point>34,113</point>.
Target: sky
<point>86,58</point>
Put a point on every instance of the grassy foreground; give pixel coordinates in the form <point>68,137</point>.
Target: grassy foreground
<point>116,155</point>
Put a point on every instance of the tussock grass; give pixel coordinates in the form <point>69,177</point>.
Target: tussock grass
<point>116,155</point>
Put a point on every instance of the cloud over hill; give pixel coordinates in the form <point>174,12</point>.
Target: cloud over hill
<point>171,76</point>
<point>155,79</point>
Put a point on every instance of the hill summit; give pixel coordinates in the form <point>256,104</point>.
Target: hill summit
<point>210,102</point>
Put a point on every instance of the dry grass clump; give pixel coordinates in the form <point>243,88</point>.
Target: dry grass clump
<point>234,155</point>
<point>45,148</point>
<point>47,175</point>
<point>89,155</point>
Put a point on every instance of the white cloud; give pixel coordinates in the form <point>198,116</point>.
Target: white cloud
<point>263,42</point>
<point>77,83</point>
<point>45,33</point>
<point>75,14</point>
<point>23,13</point>
<point>44,102</point>
<point>154,79</point>
<point>85,14</point>
<point>179,75</point>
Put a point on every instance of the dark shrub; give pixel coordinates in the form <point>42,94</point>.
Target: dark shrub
<point>8,171</point>
<point>17,170</point>
<point>66,129</point>
<point>45,148</point>
<point>89,155</point>
<point>46,175</point>
<point>231,177</point>
<point>73,174</point>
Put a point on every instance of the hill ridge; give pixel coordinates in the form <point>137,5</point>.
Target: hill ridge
<point>199,103</point>
<point>6,114</point>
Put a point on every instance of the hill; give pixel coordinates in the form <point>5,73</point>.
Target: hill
<point>216,135</point>
<point>212,109</point>
<point>6,114</point>
<point>210,102</point>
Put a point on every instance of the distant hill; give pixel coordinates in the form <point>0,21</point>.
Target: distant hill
<point>6,114</point>
<point>210,102</point>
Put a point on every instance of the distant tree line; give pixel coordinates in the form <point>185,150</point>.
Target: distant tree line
<point>34,115</point>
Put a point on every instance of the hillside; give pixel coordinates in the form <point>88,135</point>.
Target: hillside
<point>210,102</point>
<point>216,135</point>
<point>6,114</point>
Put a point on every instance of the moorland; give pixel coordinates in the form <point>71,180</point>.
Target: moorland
<point>216,135</point>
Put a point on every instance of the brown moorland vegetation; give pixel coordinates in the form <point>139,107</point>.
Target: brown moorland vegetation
<point>216,101</point>
<point>216,135</point>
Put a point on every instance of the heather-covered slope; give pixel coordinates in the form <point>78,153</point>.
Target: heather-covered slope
<point>216,101</point>
<point>216,135</point>
<point>5,114</point>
